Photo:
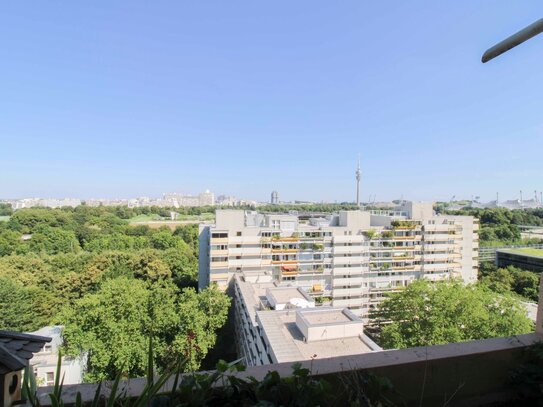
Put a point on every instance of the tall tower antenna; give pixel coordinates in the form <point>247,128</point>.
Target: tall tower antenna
<point>497,199</point>
<point>521,198</point>
<point>358,176</point>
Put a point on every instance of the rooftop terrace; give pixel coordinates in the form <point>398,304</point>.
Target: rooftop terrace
<point>524,251</point>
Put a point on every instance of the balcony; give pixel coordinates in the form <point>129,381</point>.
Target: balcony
<point>404,237</point>
<point>289,273</point>
<point>349,302</point>
<point>353,281</point>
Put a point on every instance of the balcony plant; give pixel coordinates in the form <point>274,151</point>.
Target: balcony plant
<point>226,386</point>
<point>387,234</point>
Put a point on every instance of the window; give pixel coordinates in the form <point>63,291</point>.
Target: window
<point>49,378</point>
<point>219,235</point>
<point>238,234</point>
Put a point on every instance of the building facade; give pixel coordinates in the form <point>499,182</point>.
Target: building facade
<point>352,258</point>
<point>44,363</point>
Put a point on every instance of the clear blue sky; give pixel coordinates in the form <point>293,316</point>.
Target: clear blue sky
<point>120,99</point>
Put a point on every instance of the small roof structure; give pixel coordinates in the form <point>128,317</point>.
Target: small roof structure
<point>16,349</point>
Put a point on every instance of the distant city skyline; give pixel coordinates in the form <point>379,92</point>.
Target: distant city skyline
<point>527,196</point>
<point>134,98</point>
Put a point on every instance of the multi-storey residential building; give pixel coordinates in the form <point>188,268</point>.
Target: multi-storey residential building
<point>279,323</point>
<point>353,257</point>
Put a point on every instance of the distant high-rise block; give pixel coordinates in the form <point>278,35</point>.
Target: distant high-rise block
<point>274,198</point>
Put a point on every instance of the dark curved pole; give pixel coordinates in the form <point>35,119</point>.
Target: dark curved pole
<point>525,34</point>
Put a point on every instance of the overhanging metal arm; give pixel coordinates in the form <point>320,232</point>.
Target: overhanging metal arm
<point>525,34</point>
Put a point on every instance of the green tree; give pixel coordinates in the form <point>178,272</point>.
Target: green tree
<point>149,265</point>
<point>510,280</point>
<point>116,241</point>
<point>189,234</point>
<point>183,266</point>
<point>201,315</point>
<point>500,281</point>
<point>5,209</point>
<point>18,307</point>
<point>53,240</point>
<point>432,313</point>
<point>113,326</point>
<point>165,240</point>
<point>11,242</point>
<point>526,284</point>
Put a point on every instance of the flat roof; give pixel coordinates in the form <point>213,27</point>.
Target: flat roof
<point>252,294</point>
<point>287,342</point>
<point>283,295</point>
<point>530,252</point>
<point>330,317</point>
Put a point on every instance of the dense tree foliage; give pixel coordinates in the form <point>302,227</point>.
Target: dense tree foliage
<point>510,280</point>
<point>432,313</point>
<point>112,285</point>
<point>5,209</point>
<point>499,226</point>
<point>114,324</point>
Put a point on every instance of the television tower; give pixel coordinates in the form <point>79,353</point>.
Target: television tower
<point>358,176</point>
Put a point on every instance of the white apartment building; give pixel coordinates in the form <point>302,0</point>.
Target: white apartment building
<point>351,258</point>
<point>278,323</point>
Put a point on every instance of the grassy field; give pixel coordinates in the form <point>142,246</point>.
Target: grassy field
<point>4,218</point>
<point>144,218</point>
<point>527,251</point>
<point>156,221</point>
<point>531,252</point>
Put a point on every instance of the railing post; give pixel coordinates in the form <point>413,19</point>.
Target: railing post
<point>539,318</point>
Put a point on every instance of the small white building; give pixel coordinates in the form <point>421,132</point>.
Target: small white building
<point>44,362</point>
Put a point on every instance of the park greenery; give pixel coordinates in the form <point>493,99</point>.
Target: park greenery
<point>500,226</point>
<point>114,284</point>
<point>111,284</point>
<point>432,313</point>
<point>5,209</point>
<point>510,280</point>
